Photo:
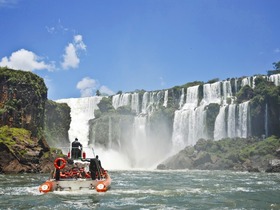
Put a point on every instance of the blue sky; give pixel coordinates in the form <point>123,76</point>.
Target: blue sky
<point>112,45</point>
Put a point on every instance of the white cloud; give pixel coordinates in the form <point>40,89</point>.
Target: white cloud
<point>105,90</point>
<point>58,28</point>
<point>70,57</point>
<point>87,86</point>
<point>26,60</point>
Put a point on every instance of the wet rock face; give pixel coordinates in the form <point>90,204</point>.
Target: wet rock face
<point>22,100</point>
<point>24,153</point>
<point>22,106</point>
<point>274,166</point>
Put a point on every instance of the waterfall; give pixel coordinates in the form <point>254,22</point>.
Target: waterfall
<point>140,143</point>
<point>82,110</point>
<point>135,103</point>
<point>121,100</point>
<point>246,81</point>
<point>165,98</point>
<point>211,93</point>
<point>275,78</point>
<point>145,102</point>
<point>181,103</point>
<point>231,127</point>
<point>227,92</point>
<point>185,121</point>
<point>220,125</point>
<point>243,118</point>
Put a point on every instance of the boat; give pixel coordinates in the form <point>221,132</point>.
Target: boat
<point>72,174</point>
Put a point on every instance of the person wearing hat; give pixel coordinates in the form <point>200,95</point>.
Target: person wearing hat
<point>76,151</point>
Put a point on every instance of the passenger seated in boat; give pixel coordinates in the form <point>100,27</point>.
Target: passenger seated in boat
<point>76,151</point>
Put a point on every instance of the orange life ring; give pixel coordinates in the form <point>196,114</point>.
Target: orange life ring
<point>46,187</point>
<point>56,163</point>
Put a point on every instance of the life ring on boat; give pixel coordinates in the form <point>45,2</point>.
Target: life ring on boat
<point>46,187</point>
<point>101,187</point>
<point>57,160</point>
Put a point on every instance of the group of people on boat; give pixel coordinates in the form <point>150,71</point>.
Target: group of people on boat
<point>78,170</point>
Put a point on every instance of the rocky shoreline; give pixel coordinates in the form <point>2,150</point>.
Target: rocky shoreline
<point>252,155</point>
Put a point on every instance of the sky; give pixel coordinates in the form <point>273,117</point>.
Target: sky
<point>79,47</point>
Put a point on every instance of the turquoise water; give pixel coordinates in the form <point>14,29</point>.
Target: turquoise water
<point>151,190</point>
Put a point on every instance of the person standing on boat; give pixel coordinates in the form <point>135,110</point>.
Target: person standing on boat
<point>95,168</point>
<point>99,162</point>
<point>76,149</point>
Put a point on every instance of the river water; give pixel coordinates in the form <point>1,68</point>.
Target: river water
<point>151,190</point>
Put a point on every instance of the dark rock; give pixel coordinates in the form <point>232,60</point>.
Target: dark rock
<point>201,159</point>
<point>274,166</point>
<point>278,153</point>
<point>161,167</point>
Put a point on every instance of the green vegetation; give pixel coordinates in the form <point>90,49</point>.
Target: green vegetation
<point>239,150</point>
<point>246,93</point>
<point>22,100</point>
<point>57,123</point>
<point>24,79</point>
<point>10,136</point>
<point>105,105</point>
<point>213,80</point>
<point>276,65</point>
<point>265,102</point>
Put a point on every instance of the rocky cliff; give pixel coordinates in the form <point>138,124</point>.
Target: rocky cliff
<point>22,100</point>
<point>22,106</point>
<point>57,124</point>
<point>20,152</point>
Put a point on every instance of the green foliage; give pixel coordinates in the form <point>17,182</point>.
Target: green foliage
<point>190,84</point>
<point>266,99</point>
<point>245,94</point>
<point>125,110</point>
<point>105,105</point>
<point>213,80</point>
<point>57,123</point>
<point>276,65</point>
<point>97,113</point>
<point>10,136</point>
<point>97,93</point>
<point>23,78</point>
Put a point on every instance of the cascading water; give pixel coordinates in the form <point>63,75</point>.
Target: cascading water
<point>220,125</point>
<point>242,130</point>
<point>144,149</point>
<point>275,78</point>
<point>231,128</point>
<point>82,110</point>
<point>186,125</point>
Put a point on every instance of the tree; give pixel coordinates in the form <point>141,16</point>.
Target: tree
<point>276,65</point>
<point>97,93</point>
<point>105,105</point>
